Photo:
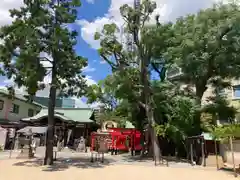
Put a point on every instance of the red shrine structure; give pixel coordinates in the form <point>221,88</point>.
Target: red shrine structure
<point>118,139</point>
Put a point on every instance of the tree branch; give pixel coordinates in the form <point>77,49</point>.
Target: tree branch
<point>116,58</point>
<point>113,65</point>
<point>45,59</point>
<point>142,104</point>
<point>145,19</point>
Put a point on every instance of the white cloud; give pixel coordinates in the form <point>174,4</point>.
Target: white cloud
<point>89,29</point>
<point>5,5</point>
<point>79,103</point>
<point>95,105</point>
<point>90,80</point>
<point>90,1</point>
<point>88,69</point>
<point>167,9</point>
<point>103,62</point>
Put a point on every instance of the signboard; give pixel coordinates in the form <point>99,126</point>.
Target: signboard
<point>102,146</point>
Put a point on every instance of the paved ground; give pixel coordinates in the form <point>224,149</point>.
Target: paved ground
<point>75,166</point>
<point>125,159</point>
<point>27,170</point>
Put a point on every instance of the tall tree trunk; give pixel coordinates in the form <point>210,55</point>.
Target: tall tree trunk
<point>152,132</point>
<point>140,118</point>
<point>150,109</point>
<point>48,160</point>
<point>197,117</point>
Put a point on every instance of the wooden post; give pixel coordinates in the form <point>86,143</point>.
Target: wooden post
<point>203,154</point>
<point>103,157</point>
<point>11,148</point>
<point>191,153</point>
<point>87,131</point>
<point>168,157</point>
<point>216,153</point>
<point>233,160</point>
<point>187,150</point>
<point>91,157</point>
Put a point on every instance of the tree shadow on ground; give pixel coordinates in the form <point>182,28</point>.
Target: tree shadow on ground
<point>138,158</point>
<point>229,170</point>
<point>62,164</point>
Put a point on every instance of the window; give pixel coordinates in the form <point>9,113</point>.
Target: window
<point>30,112</point>
<point>1,104</point>
<point>15,109</point>
<point>236,92</point>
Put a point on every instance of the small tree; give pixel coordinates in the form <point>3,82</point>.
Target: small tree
<point>38,43</point>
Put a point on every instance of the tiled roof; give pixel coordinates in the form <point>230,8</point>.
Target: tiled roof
<point>77,115</point>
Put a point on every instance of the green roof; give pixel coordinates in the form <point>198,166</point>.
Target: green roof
<point>77,115</point>
<point>19,97</point>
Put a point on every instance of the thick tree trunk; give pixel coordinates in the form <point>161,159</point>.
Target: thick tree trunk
<point>197,118</point>
<point>48,160</point>
<point>153,135</point>
<point>150,113</point>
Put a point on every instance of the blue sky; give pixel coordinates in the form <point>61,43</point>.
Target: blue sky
<point>90,12</point>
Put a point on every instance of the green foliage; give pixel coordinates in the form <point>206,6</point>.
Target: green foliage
<point>177,113</point>
<point>112,93</point>
<point>112,116</point>
<point>224,132</point>
<point>104,93</point>
<point>206,45</point>
<point>38,43</point>
<point>218,105</point>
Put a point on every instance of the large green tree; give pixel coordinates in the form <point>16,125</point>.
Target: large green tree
<point>38,43</point>
<point>138,53</point>
<point>206,46</point>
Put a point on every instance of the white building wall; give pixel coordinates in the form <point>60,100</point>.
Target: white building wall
<point>235,102</point>
<point>23,109</point>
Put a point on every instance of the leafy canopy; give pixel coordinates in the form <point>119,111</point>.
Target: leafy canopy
<point>38,43</point>
<point>206,45</point>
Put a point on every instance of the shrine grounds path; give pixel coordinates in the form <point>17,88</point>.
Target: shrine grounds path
<point>77,166</point>
<point>9,171</point>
